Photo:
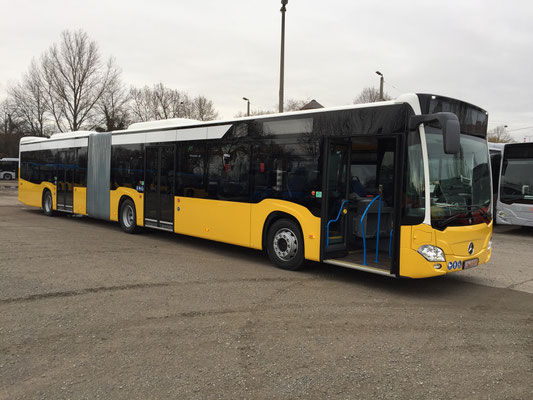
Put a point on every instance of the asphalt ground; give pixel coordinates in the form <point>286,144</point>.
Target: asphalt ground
<point>89,312</point>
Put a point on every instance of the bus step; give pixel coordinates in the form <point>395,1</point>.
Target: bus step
<point>359,267</point>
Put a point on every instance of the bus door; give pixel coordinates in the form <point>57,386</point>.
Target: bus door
<point>336,197</point>
<point>65,179</point>
<point>362,193</point>
<point>159,187</point>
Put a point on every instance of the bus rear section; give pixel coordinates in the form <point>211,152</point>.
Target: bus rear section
<point>9,168</point>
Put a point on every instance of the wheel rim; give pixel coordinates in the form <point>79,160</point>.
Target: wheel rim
<point>285,244</point>
<point>48,203</point>
<point>128,216</point>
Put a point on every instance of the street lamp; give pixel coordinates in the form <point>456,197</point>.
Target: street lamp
<point>248,106</point>
<point>380,86</point>
<point>282,58</point>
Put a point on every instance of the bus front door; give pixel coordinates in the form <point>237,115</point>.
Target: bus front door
<point>361,197</point>
<point>65,179</point>
<point>159,187</point>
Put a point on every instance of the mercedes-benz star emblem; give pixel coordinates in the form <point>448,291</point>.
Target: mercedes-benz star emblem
<point>471,248</point>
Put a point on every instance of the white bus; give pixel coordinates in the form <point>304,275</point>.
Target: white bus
<point>512,176</point>
<point>9,168</point>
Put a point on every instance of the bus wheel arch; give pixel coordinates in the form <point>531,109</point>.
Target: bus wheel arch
<point>283,241</point>
<point>47,203</point>
<point>127,215</point>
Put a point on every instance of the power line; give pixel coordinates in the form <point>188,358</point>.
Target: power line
<point>390,84</point>
<point>520,129</point>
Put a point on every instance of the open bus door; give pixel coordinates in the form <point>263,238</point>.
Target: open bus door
<point>361,198</point>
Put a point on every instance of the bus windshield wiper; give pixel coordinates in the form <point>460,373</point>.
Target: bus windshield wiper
<point>445,222</point>
<point>471,209</point>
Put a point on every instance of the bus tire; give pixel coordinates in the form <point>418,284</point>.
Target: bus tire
<point>285,245</point>
<point>128,216</point>
<point>48,203</point>
<point>8,176</point>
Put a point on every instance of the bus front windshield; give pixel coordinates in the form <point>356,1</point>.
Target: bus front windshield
<point>460,184</point>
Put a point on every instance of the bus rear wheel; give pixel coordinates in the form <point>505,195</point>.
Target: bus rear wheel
<point>48,207</point>
<point>285,245</point>
<point>128,216</point>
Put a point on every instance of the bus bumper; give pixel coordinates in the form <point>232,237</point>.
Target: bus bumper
<point>464,247</point>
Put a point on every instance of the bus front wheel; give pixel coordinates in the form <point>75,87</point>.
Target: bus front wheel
<point>285,245</point>
<point>128,216</point>
<point>48,207</point>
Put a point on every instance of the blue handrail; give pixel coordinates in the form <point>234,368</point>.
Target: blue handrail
<point>363,229</point>
<point>390,243</point>
<point>334,220</point>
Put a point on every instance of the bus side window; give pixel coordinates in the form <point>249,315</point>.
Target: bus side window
<point>190,174</point>
<point>228,167</point>
<point>495,163</point>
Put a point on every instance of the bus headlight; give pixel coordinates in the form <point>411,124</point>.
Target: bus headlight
<point>431,253</point>
<point>490,244</point>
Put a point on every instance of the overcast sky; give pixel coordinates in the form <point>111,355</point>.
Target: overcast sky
<point>474,50</point>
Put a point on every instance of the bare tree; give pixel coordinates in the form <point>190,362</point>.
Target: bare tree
<point>370,95</point>
<point>29,102</point>
<point>499,135</point>
<point>11,121</point>
<point>112,107</point>
<point>290,105</point>
<point>75,79</point>
<point>203,109</point>
<point>160,102</point>
<point>140,104</point>
<point>295,105</point>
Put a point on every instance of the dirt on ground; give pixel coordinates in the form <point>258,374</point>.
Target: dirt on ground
<point>89,312</point>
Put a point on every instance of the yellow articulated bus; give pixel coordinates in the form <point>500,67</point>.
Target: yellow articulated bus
<point>400,188</point>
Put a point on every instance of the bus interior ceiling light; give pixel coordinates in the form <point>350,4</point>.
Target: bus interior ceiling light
<point>431,253</point>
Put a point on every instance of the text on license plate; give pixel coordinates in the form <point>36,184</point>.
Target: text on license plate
<point>470,263</point>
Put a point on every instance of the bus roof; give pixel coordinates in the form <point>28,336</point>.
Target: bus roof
<point>182,122</point>
<point>177,123</point>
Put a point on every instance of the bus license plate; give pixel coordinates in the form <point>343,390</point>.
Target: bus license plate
<point>470,263</point>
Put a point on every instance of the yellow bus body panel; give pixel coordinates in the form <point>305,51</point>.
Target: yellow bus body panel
<point>79,201</point>
<point>31,194</point>
<point>114,200</point>
<point>241,223</point>
<point>309,223</point>
<point>223,221</point>
<point>454,241</point>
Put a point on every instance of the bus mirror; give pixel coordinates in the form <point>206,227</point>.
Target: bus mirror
<point>451,130</point>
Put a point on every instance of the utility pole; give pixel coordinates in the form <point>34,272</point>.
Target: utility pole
<point>282,58</point>
<point>380,86</point>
